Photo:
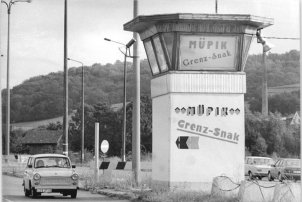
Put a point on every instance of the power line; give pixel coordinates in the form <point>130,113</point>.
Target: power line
<point>272,37</point>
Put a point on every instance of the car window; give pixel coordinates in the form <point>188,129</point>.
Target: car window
<point>45,162</point>
<point>29,161</point>
<point>262,161</point>
<point>292,163</point>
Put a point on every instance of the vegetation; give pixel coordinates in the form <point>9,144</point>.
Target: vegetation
<point>271,136</point>
<point>41,97</point>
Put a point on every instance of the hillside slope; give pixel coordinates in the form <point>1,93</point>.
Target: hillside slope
<point>41,97</point>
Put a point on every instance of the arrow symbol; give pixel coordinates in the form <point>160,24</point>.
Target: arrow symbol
<point>192,142</point>
<point>181,142</point>
<point>237,111</point>
<point>183,110</point>
<point>177,110</point>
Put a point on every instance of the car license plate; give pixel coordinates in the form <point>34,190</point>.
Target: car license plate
<point>44,190</point>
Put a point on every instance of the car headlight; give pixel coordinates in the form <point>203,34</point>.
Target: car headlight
<point>75,177</point>
<point>37,176</point>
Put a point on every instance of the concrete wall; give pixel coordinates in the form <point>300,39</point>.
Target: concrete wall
<point>197,135</point>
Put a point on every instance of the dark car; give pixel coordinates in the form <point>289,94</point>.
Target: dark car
<point>285,169</point>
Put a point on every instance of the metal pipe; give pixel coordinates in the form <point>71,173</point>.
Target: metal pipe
<point>136,133</point>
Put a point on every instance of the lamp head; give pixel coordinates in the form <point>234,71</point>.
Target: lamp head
<point>130,43</point>
<point>267,46</point>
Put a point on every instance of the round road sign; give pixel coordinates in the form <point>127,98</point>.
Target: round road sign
<point>104,146</point>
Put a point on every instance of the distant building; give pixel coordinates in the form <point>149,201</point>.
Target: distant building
<point>283,89</point>
<point>43,141</point>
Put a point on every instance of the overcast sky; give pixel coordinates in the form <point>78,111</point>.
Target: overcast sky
<point>37,29</point>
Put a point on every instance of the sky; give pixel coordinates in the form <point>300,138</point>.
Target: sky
<point>37,30</point>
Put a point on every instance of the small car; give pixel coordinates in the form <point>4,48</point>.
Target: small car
<point>285,169</point>
<point>50,173</point>
<point>257,166</point>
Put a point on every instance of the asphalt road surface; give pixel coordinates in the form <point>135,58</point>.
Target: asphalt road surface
<point>12,190</point>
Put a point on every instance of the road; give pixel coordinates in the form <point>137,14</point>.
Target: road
<point>12,191</point>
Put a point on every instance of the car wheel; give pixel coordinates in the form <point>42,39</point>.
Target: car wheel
<point>34,193</point>
<point>26,192</point>
<point>280,178</point>
<point>74,193</point>
<point>270,177</point>
<point>260,178</point>
<point>251,176</point>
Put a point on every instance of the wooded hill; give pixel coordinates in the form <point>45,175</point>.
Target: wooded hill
<point>41,97</point>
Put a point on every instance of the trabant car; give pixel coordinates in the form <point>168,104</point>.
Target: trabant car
<point>256,166</point>
<point>48,173</point>
<point>285,169</point>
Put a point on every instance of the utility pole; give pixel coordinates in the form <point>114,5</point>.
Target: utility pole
<point>9,5</point>
<point>265,49</point>
<point>300,89</point>
<point>0,101</point>
<point>82,111</point>
<point>136,133</point>
<point>216,6</point>
<point>264,85</point>
<point>65,118</point>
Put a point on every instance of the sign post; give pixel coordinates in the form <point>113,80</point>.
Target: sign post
<point>104,149</point>
<point>96,152</point>
<point>198,86</point>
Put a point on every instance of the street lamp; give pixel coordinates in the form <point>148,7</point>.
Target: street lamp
<point>82,104</point>
<point>9,6</point>
<point>266,48</point>
<point>126,54</point>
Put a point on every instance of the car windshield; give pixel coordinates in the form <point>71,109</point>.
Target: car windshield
<point>46,162</point>
<point>292,163</point>
<point>263,161</point>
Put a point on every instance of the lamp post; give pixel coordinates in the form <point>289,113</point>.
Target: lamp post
<point>82,114</point>
<point>126,54</point>
<point>266,48</point>
<point>9,6</point>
